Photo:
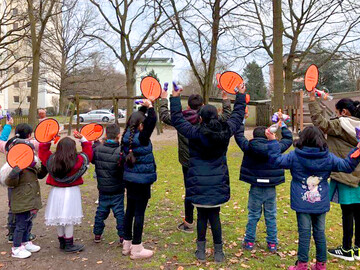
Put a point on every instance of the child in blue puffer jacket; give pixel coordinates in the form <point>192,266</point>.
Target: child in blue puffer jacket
<point>310,165</point>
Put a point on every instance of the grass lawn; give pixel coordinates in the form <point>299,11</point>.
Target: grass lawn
<point>175,250</point>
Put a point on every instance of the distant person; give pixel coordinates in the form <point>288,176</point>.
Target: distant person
<point>310,165</point>
<point>110,183</point>
<point>42,114</point>
<point>195,102</point>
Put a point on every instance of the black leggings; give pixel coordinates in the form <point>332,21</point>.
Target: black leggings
<point>350,213</point>
<point>213,216</point>
<point>189,208</point>
<point>135,213</point>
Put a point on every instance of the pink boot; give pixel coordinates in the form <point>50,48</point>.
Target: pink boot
<point>319,266</point>
<point>139,252</point>
<point>126,247</point>
<point>299,266</point>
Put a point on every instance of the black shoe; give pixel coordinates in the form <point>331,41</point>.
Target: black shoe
<point>185,227</point>
<point>339,252</point>
<point>70,247</point>
<point>219,255</point>
<point>200,251</point>
<point>62,242</point>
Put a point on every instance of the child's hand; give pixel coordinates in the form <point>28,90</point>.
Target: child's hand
<point>77,134</point>
<point>164,94</point>
<point>177,93</point>
<point>271,136</point>
<point>312,95</point>
<point>224,95</point>
<point>147,103</point>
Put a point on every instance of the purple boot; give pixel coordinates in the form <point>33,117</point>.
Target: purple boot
<point>319,266</point>
<point>299,266</point>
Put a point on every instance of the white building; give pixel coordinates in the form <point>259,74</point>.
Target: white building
<point>162,67</point>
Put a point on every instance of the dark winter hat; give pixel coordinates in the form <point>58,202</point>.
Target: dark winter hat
<point>208,112</point>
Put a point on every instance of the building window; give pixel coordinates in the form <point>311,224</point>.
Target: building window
<point>28,99</point>
<point>17,84</point>
<point>29,84</point>
<point>16,70</point>
<point>15,11</point>
<point>15,26</point>
<point>16,99</point>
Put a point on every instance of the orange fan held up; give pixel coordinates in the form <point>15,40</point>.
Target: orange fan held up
<point>20,155</point>
<point>47,131</point>
<point>150,88</point>
<point>92,131</point>
<point>229,81</point>
<point>311,81</point>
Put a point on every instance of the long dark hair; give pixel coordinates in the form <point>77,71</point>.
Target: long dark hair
<point>352,106</point>
<point>22,131</point>
<point>215,130</point>
<point>64,158</point>
<point>132,125</point>
<point>311,136</point>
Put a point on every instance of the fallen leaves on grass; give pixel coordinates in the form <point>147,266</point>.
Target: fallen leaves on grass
<point>99,262</point>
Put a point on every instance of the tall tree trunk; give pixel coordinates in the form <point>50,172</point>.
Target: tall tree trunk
<point>34,87</point>
<point>278,56</point>
<point>289,79</point>
<point>130,88</point>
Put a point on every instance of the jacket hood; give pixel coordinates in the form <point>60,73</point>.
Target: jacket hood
<point>307,155</point>
<point>259,146</point>
<point>348,124</point>
<point>191,116</point>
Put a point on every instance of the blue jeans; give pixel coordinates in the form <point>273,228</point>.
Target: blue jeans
<point>23,223</point>
<point>317,223</point>
<point>116,204</point>
<point>262,199</point>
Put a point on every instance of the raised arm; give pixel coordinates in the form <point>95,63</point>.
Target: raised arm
<point>237,115</point>
<point>346,165</point>
<point>149,126</point>
<point>164,112</point>
<point>5,133</point>
<point>286,140</point>
<point>226,106</point>
<point>275,156</point>
<point>331,127</point>
<point>241,140</point>
<point>179,122</point>
<point>44,152</point>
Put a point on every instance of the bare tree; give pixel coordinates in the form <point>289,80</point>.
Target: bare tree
<point>137,25</point>
<point>306,24</point>
<point>199,25</point>
<point>39,13</point>
<point>65,46</point>
<point>13,31</point>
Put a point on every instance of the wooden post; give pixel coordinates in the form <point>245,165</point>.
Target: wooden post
<point>116,109</point>
<point>301,109</point>
<point>71,117</point>
<point>77,113</point>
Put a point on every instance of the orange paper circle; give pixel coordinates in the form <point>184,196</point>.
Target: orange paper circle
<point>229,80</point>
<point>46,130</point>
<point>21,155</point>
<point>311,77</point>
<point>150,88</point>
<point>92,131</point>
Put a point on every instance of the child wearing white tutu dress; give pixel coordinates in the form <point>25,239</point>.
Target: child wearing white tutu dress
<point>66,168</point>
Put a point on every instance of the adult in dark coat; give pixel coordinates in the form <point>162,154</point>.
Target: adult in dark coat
<point>208,176</point>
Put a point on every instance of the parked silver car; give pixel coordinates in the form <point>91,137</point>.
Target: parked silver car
<point>96,116</point>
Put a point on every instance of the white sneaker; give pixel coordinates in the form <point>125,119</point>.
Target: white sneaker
<point>20,252</point>
<point>29,246</point>
<point>97,201</point>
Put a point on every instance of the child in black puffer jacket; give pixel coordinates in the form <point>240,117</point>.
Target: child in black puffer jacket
<point>257,170</point>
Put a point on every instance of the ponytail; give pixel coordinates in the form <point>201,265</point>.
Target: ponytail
<point>352,106</point>
<point>130,158</point>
